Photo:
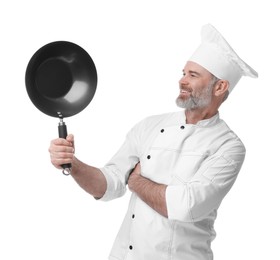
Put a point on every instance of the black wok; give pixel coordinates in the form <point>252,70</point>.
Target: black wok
<point>61,81</point>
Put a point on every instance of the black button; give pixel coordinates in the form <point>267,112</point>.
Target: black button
<point>130,247</point>
<point>162,130</point>
<point>182,127</point>
<point>149,157</point>
<point>133,216</point>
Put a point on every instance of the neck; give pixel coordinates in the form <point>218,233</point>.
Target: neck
<point>196,115</point>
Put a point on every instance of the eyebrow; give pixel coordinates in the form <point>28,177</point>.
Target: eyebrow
<point>192,72</point>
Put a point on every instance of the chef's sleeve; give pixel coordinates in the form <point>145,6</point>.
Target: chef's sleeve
<point>204,192</point>
<point>117,170</point>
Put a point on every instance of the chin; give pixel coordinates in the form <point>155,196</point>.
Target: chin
<point>182,103</point>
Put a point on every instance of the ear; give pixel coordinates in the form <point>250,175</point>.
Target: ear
<point>221,87</point>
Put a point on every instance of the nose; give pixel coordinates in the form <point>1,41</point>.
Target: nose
<point>183,80</point>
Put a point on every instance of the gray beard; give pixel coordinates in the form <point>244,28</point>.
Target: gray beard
<point>202,99</point>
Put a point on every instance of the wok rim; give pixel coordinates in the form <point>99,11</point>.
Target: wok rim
<point>83,71</point>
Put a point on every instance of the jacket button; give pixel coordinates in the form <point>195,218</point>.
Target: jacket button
<point>162,130</point>
<point>182,127</point>
<point>133,216</point>
<point>149,157</point>
<point>130,247</point>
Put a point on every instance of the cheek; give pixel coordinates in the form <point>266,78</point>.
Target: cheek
<point>198,92</point>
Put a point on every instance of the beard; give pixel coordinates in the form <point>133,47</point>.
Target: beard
<point>198,100</point>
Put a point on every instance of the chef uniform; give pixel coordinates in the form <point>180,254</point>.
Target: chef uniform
<point>198,163</point>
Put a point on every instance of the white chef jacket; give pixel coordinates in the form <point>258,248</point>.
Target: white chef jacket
<point>199,163</point>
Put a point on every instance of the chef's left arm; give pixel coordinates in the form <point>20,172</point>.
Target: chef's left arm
<point>149,191</point>
<point>196,198</point>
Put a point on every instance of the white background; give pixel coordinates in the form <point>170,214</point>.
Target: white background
<point>139,49</point>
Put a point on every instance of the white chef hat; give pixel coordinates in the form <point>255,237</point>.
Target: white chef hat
<point>218,57</point>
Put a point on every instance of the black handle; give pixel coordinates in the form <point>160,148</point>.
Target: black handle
<point>62,133</point>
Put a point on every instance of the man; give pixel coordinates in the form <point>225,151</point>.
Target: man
<point>179,166</point>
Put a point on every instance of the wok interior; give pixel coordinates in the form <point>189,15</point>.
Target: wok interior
<point>53,78</point>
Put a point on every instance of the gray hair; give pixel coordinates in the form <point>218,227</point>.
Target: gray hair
<point>214,80</point>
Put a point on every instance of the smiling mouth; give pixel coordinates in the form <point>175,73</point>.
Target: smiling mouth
<point>183,91</point>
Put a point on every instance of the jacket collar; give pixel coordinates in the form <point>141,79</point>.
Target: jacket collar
<point>202,123</point>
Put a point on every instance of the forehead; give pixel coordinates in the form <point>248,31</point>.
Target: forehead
<point>192,66</point>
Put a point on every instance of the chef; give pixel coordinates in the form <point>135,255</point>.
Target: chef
<point>179,166</point>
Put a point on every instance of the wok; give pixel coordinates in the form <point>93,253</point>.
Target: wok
<point>61,81</point>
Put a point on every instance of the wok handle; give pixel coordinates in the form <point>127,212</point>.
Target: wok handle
<point>62,133</point>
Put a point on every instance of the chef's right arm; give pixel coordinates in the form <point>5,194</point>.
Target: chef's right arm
<point>108,182</point>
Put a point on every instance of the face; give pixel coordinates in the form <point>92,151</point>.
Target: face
<point>196,87</point>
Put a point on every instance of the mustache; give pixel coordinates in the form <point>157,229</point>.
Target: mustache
<point>185,88</point>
